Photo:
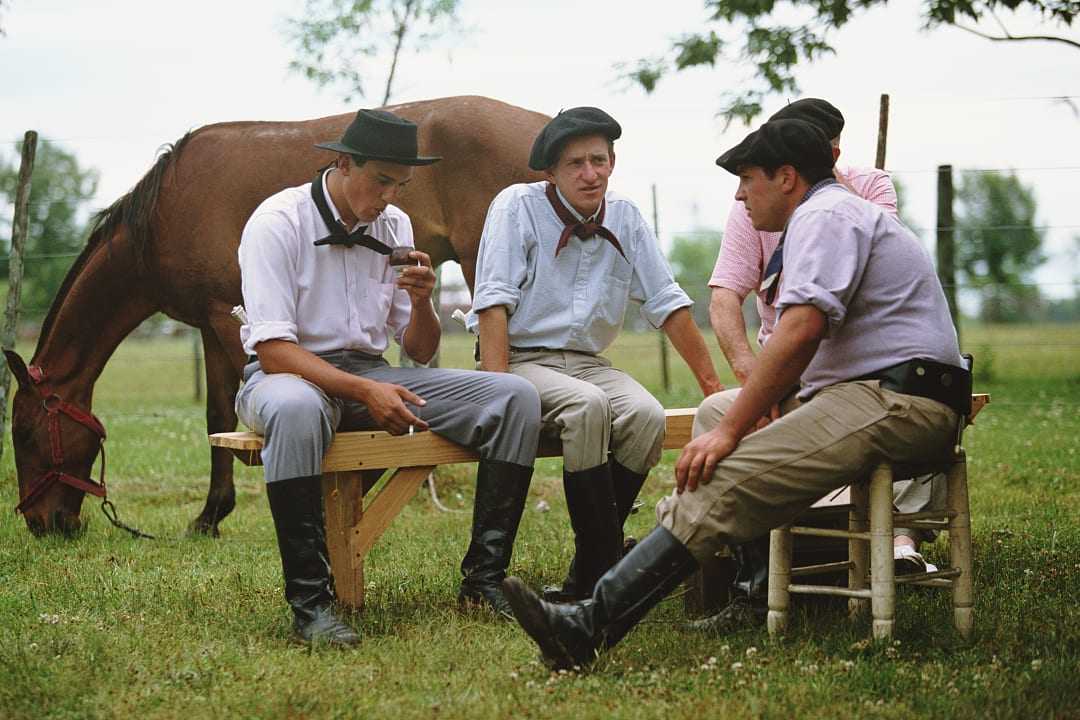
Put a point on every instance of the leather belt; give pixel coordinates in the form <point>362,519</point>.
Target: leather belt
<point>948,384</point>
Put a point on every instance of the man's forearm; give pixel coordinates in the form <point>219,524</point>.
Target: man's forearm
<point>494,339</point>
<point>282,356</point>
<point>422,337</point>
<point>684,335</point>
<point>779,367</point>
<point>726,318</point>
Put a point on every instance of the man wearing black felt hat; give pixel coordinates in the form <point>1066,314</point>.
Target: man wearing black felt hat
<point>559,261</point>
<point>322,304</point>
<point>864,330</point>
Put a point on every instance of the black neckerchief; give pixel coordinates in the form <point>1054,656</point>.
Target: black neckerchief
<point>338,235</point>
<point>771,282</point>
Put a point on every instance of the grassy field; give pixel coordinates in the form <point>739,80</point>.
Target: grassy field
<point>106,626</point>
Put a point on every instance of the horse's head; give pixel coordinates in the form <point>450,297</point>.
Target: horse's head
<point>55,445</point>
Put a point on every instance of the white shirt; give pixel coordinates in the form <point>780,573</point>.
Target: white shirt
<point>575,301</point>
<point>323,298</point>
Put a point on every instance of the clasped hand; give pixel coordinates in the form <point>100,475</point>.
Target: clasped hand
<point>418,280</point>
<point>701,455</point>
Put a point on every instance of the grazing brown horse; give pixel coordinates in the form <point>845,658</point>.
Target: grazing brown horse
<point>170,245</point>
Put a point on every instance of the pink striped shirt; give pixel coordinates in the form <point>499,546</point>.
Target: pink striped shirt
<point>744,251</point>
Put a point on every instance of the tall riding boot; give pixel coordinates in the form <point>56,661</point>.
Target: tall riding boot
<point>501,491</point>
<point>297,507</point>
<point>571,635</point>
<point>626,484</point>
<point>594,516</point>
<point>748,607</point>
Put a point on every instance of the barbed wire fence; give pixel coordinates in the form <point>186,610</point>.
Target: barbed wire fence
<point>192,361</point>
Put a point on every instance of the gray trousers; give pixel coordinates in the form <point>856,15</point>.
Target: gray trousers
<point>495,414</point>
<point>595,409</point>
<point>909,496</point>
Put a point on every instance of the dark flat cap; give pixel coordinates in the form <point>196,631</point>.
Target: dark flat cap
<point>783,142</point>
<point>567,124</point>
<point>820,113</point>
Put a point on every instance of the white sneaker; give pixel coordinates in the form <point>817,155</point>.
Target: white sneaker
<point>907,561</point>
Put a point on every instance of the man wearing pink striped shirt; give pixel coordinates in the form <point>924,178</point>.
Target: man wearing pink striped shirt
<point>744,267</point>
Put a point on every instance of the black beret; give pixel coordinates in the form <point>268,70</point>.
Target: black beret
<point>817,112</point>
<point>567,124</point>
<point>782,142</point>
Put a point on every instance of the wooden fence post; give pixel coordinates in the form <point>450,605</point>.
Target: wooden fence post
<point>15,271</point>
<point>665,375</point>
<point>883,131</point>
<point>946,241</point>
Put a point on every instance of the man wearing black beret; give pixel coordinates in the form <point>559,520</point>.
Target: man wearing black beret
<point>863,320</point>
<point>559,260</point>
<point>323,304</point>
<point>747,263</point>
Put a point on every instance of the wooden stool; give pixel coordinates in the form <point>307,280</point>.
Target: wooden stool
<point>871,579</point>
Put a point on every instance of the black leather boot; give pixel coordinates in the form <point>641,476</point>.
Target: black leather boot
<point>626,485</point>
<point>297,507</point>
<point>594,516</point>
<point>749,605</point>
<point>501,491</point>
<point>570,636</point>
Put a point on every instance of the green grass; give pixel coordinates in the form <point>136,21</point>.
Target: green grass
<point>106,626</point>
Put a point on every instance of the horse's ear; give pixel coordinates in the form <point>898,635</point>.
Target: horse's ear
<point>18,368</point>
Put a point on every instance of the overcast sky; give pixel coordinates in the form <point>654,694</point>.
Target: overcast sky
<point>112,80</point>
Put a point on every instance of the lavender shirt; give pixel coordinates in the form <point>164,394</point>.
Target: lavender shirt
<point>875,284</point>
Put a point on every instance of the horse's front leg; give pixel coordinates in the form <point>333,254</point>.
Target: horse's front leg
<point>222,381</point>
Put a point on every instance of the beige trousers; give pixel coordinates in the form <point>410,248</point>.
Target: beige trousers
<point>821,445</point>
<point>909,496</point>
<point>594,408</point>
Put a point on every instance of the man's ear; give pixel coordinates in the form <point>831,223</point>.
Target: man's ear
<point>789,178</point>
<point>835,153</point>
<point>549,176</point>
<point>343,164</point>
<point>612,164</point>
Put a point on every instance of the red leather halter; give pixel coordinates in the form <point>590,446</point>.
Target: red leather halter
<point>54,406</point>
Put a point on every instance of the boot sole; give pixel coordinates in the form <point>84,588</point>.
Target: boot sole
<point>530,616</point>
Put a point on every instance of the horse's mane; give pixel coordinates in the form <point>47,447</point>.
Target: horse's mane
<point>134,210</point>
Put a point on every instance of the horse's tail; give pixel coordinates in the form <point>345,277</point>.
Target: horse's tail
<point>135,211</point>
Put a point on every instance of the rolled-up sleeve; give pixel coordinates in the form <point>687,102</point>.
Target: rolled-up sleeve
<point>825,257</point>
<point>652,284</point>
<point>502,263</point>
<point>739,264</point>
<point>880,191</point>
<point>267,257</point>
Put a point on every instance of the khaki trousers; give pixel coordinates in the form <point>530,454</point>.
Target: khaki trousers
<point>594,408</point>
<point>909,496</point>
<point>821,445</point>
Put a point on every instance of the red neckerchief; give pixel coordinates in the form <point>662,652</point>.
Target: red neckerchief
<point>584,230</point>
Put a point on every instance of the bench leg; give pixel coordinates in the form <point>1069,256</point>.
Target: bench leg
<point>960,547</point>
<point>858,550</point>
<point>882,580</point>
<point>709,589</point>
<point>343,498</point>
<point>381,511</point>
<point>779,579</point>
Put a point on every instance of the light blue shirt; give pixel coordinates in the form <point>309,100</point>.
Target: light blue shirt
<point>575,301</point>
<point>873,281</point>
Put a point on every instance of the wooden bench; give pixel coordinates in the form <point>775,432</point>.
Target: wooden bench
<point>354,525</point>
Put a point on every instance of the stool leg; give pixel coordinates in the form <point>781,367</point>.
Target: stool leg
<point>858,550</point>
<point>960,546</point>
<point>882,580</point>
<point>779,579</point>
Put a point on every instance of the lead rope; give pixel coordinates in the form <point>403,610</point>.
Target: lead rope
<point>109,509</point>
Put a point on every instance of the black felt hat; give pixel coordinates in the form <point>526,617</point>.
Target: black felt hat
<point>782,142</point>
<point>820,113</point>
<point>380,135</point>
<point>567,124</point>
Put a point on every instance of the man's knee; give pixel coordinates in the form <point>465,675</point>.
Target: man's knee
<point>295,406</point>
<point>712,409</point>
<point>521,395</point>
<point>591,406</point>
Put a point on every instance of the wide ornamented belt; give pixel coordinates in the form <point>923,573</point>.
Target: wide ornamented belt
<point>948,384</point>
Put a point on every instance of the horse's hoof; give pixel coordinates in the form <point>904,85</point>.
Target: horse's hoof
<point>198,526</point>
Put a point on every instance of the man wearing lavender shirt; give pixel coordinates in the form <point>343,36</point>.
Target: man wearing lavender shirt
<point>743,267</point>
<point>863,327</point>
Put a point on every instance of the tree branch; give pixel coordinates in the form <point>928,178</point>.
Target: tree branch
<point>1018,38</point>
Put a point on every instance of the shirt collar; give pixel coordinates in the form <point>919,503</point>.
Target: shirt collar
<point>333,207</point>
<point>574,212</point>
